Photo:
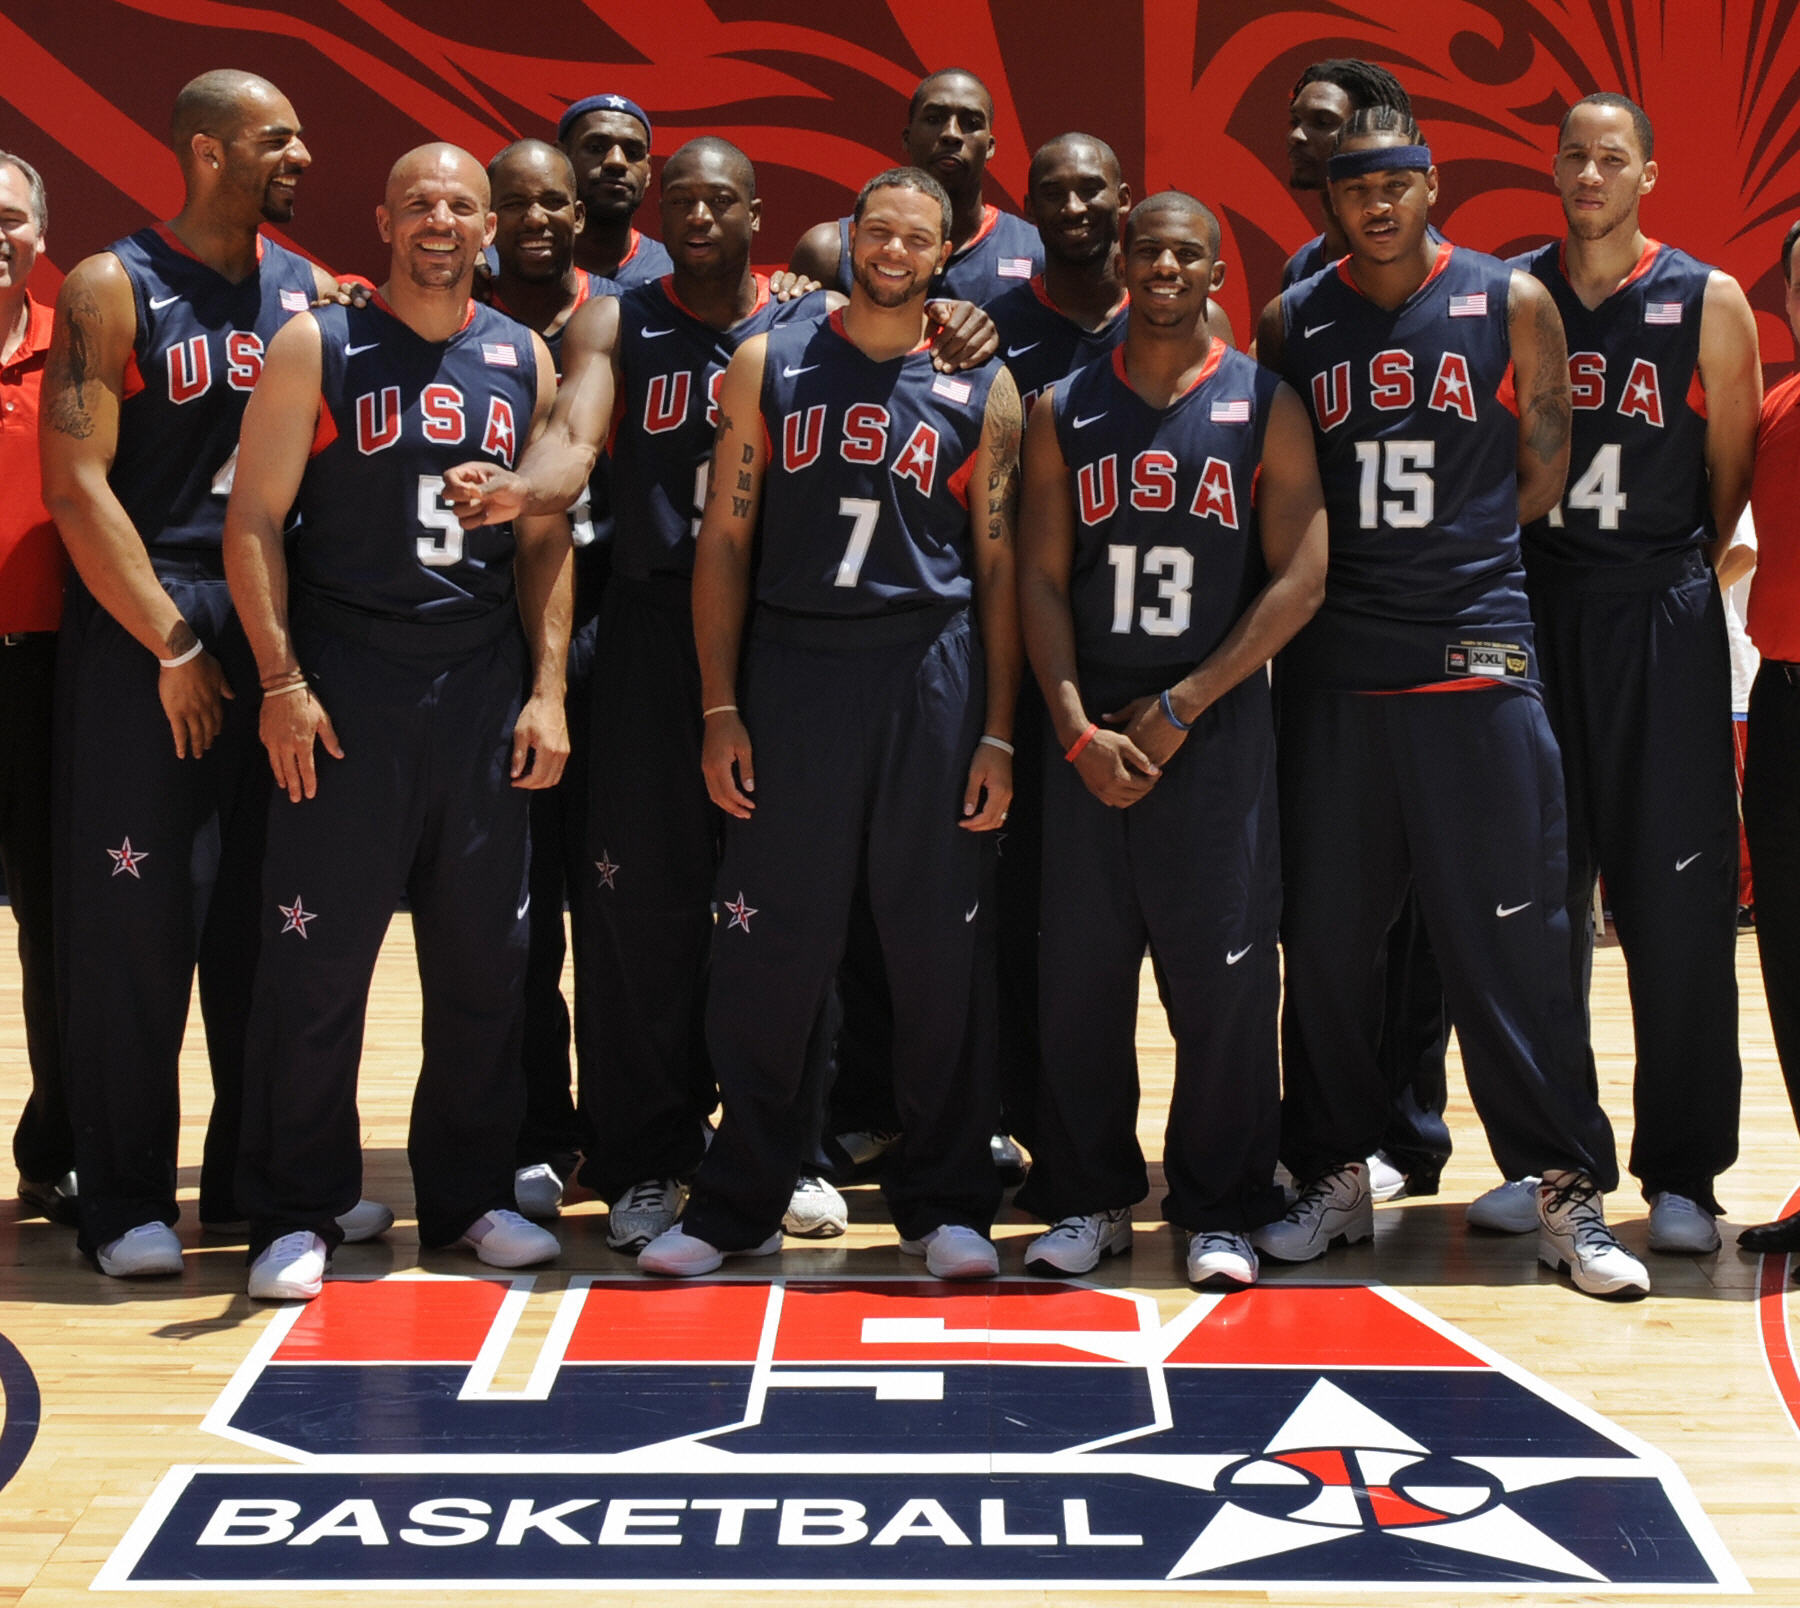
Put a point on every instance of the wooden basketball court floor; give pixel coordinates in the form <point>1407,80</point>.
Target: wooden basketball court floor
<point>127,1372</point>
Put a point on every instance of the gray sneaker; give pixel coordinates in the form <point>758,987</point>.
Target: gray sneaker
<point>644,1212</point>
<point>815,1210</point>
<point>1077,1244</point>
<point>1334,1210</point>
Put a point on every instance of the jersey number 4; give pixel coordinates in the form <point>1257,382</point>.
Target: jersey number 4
<point>1597,492</point>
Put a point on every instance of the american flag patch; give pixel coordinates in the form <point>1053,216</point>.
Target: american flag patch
<point>499,354</point>
<point>1662,312</point>
<point>295,301</point>
<point>1237,412</point>
<point>1014,268</point>
<point>956,390</point>
<point>1474,306</point>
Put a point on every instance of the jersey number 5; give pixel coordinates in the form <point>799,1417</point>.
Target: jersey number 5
<point>445,546</point>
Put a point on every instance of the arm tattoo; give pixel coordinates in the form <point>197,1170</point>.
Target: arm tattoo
<point>1003,471</point>
<point>180,639</point>
<point>72,368</point>
<point>1547,408</point>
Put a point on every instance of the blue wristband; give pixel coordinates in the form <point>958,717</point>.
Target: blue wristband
<point>1168,710</point>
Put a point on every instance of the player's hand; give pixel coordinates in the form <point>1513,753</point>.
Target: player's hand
<point>728,764</point>
<point>1115,769</point>
<point>288,725</point>
<point>1143,721</point>
<point>193,697</point>
<point>540,739</point>
<point>351,291</point>
<point>482,493</point>
<point>989,794</point>
<point>966,336</point>
<point>786,286</point>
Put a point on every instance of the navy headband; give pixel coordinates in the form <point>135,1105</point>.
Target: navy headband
<point>601,103</point>
<point>1377,159</point>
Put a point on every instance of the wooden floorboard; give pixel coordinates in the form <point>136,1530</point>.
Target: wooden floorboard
<point>128,1372</point>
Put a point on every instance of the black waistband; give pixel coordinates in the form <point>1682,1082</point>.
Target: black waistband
<point>431,641</point>
<point>855,630</point>
<point>1651,575</point>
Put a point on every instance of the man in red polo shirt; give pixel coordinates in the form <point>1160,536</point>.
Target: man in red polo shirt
<point>31,581</point>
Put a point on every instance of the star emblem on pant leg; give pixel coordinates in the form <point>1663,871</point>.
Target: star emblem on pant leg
<point>740,912</point>
<point>297,916</point>
<point>607,867</point>
<point>125,860</point>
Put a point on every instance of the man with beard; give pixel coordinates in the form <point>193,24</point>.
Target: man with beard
<point>159,341</point>
<point>607,138</point>
<point>391,640</point>
<point>660,351</point>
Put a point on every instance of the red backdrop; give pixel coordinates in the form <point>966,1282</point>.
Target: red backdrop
<point>1190,92</point>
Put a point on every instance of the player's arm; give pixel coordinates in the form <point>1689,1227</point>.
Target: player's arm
<point>722,555</point>
<point>1113,768</point>
<point>1290,506</point>
<point>556,466</point>
<point>966,337</point>
<point>274,442</point>
<point>78,436</point>
<point>1270,345</point>
<point>544,577</point>
<point>1740,557</point>
<point>993,518</point>
<point>818,254</point>
<point>1540,354</point>
<point>1731,372</point>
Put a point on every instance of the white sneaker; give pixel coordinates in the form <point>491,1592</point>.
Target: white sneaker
<point>815,1210</point>
<point>644,1212</point>
<point>1076,1244</point>
<point>503,1238</point>
<point>1333,1210</point>
<point>679,1255</point>
<point>1681,1225</point>
<point>1220,1260</point>
<point>1508,1208</point>
<point>1572,1234</point>
<point>537,1191</point>
<point>366,1220</point>
<point>1386,1181</point>
<point>955,1252</point>
<point>290,1269</point>
<point>148,1251</point>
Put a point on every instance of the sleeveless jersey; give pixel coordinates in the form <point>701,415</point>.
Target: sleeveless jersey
<point>670,365</point>
<point>1041,344</point>
<point>1637,490</point>
<point>865,499</point>
<point>1166,549</point>
<point>1417,435</point>
<point>1005,251</point>
<point>1304,263</point>
<point>396,411</point>
<point>645,262</point>
<point>196,358</point>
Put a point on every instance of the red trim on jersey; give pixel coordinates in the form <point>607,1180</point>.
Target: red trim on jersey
<point>958,483</point>
<point>1506,393</point>
<point>583,289</point>
<point>768,440</point>
<point>761,281</point>
<point>990,221</point>
<point>1209,366</point>
<point>1651,248</point>
<point>1043,295</point>
<point>835,319</point>
<point>1457,684</point>
<point>1445,249</point>
<point>378,300</point>
<point>618,416</point>
<point>325,431</point>
<point>1696,394</point>
<point>630,251</point>
<point>132,380</point>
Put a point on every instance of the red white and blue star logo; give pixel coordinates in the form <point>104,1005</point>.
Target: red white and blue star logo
<point>125,860</point>
<point>297,916</point>
<point>607,867</point>
<point>740,912</point>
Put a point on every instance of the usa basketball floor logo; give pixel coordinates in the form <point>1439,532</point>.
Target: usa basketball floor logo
<point>901,1433</point>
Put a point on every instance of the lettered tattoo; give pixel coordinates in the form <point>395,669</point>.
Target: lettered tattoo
<point>1007,419</point>
<point>71,366</point>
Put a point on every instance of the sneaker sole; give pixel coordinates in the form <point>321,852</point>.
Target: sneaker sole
<point>1665,1248</point>
<point>1622,1290</point>
<point>1351,1234</point>
<point>166,1270</point>
<point>281,1291</point>
<point>1221,1281</point>
<point>1046,1269</point>
<point>818,1231</point>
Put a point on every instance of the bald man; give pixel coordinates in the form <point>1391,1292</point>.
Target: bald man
<point>159,340</point>
<point>407,718</point>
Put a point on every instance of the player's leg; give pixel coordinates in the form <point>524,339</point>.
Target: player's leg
<point>1415,1034</point>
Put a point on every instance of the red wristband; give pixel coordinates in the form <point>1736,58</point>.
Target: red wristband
<point>1081,742</point>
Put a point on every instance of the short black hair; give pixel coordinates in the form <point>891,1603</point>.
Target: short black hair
<point>1363,83</point>
<point>1175,201</point>
<point>705,144</point>
<point>529,148</point>
<point>918,94</point>
<point>40,203</point>
<point>1382,120</point>
<point>905,178</point>
<point>1108,156</point>
<point>1640,123</point>
<point>1787,250</point>
<point>212,104</point>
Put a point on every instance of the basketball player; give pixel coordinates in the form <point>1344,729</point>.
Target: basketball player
<point>159,341</point>
<point>652,836</point>
<point>607,138</point>
<point>1631,639</point>
<point>1414,746</point>
<point>391,640</point>
<point>1173,540</point>
<point>868,724</point>
<point>950,134</point>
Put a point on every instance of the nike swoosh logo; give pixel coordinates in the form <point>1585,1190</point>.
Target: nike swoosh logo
<point>351,351</point>
<point>790,372</point>
<point>1682,865</point>
<point>1317,329</point>
<point>1019,351</point>
<point>1082,424</point>
<point>1503,911</point>
<point>656,334</point>
<point>1238,954</point>
<point>519,915</point>
<point>166,301</point>
<point>969,914</point>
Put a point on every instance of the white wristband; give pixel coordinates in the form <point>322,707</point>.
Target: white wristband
<point>180,659</point>
<point>998,742</point>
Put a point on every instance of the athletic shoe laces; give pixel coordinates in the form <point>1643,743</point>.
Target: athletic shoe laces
<point>1578,1201</point>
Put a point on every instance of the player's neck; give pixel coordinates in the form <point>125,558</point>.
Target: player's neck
<point>1388,284</point>
<point>719,302</point>
<point>1162,364</point>
<point>226,246</point>
<point>1085,292</point>
<point>602,245</point>
<point>432,315</point>
<point>881,333</point>
<point>540,304</point>
<point>1337,244</point>
<point>967,214</point>
<point>15,320</point>
<point>1596,268</point>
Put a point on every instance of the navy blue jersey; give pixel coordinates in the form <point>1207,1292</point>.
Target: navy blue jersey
<point>645,261</point>
<point>1638,487</point>
<point>1417,435</point>
<point>1166,549</point>
<point>1304,263</point>
<point>395,412</point>
<point>1042,344</point>
<point>587,287</point>
<point>196,358</point>
<point>670,364</point>
<point>865,505</point>
<point>1006,250</point>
